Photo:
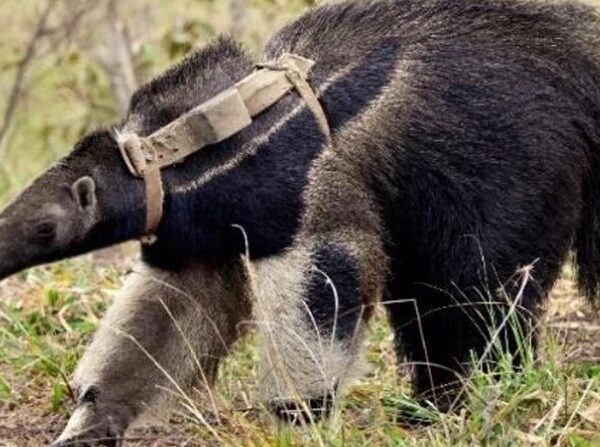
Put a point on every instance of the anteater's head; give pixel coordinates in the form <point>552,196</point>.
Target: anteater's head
<point>87,201</point>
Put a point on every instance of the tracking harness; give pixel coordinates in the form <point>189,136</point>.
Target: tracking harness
<point>216,120</point>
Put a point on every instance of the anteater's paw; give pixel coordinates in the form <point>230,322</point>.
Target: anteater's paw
<point>90,428</point>
<point>303,412</point>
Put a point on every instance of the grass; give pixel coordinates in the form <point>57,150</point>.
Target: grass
<point>48,314</point>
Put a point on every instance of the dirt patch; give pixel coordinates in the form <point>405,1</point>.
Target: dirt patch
<point>573,322</point>
<point>27,426</point>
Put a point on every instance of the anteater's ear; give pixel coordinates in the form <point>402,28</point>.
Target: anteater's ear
<point>84,193</point>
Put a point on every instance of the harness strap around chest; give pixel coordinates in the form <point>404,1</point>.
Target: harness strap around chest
<point>214,121</point>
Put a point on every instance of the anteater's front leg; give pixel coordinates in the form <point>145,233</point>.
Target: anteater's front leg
<point>164,335</point>
<point>314,300</point>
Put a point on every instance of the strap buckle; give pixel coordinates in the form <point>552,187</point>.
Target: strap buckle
<point>130,145</point>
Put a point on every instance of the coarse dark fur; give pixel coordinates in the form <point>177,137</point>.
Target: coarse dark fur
<point>466,147</point>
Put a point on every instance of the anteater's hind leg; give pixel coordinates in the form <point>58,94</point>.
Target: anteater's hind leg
<point>314,299</point>
<point>472,311</point>
<point>163,336</point>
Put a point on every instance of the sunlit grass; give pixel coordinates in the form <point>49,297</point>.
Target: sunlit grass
<point>49,314</point>
<point>46,317</point>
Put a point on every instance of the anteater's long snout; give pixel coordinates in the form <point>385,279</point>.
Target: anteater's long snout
<point>3,250</point>
<point>4,255</point>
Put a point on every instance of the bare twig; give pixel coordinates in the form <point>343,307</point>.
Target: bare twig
<point>64,30</point>
<point>22,67</point>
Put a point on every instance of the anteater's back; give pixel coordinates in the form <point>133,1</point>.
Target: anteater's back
<point>491,112</point>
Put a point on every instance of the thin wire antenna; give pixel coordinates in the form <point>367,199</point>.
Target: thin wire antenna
<point>246,260</point>
<point>315,325</point>
<point>246,240</point>
<point>336,299</point>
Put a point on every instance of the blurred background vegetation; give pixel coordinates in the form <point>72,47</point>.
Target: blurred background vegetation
<point>69,66</point>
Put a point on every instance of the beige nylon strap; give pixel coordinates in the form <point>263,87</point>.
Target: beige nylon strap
<point>155,196</point>
<point>152,184</point>
<point>212,122</point>
<point>298,80</point>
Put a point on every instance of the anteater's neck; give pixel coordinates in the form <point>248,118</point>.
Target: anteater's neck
<point>121,203</point>
<point>256,179</point>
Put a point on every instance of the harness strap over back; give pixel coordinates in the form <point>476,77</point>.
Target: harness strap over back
<point>214,121</point>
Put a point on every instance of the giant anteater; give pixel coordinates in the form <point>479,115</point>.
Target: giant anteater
<point>466,146</point>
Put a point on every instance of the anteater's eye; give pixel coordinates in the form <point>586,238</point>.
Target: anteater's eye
<point>44,232</point>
